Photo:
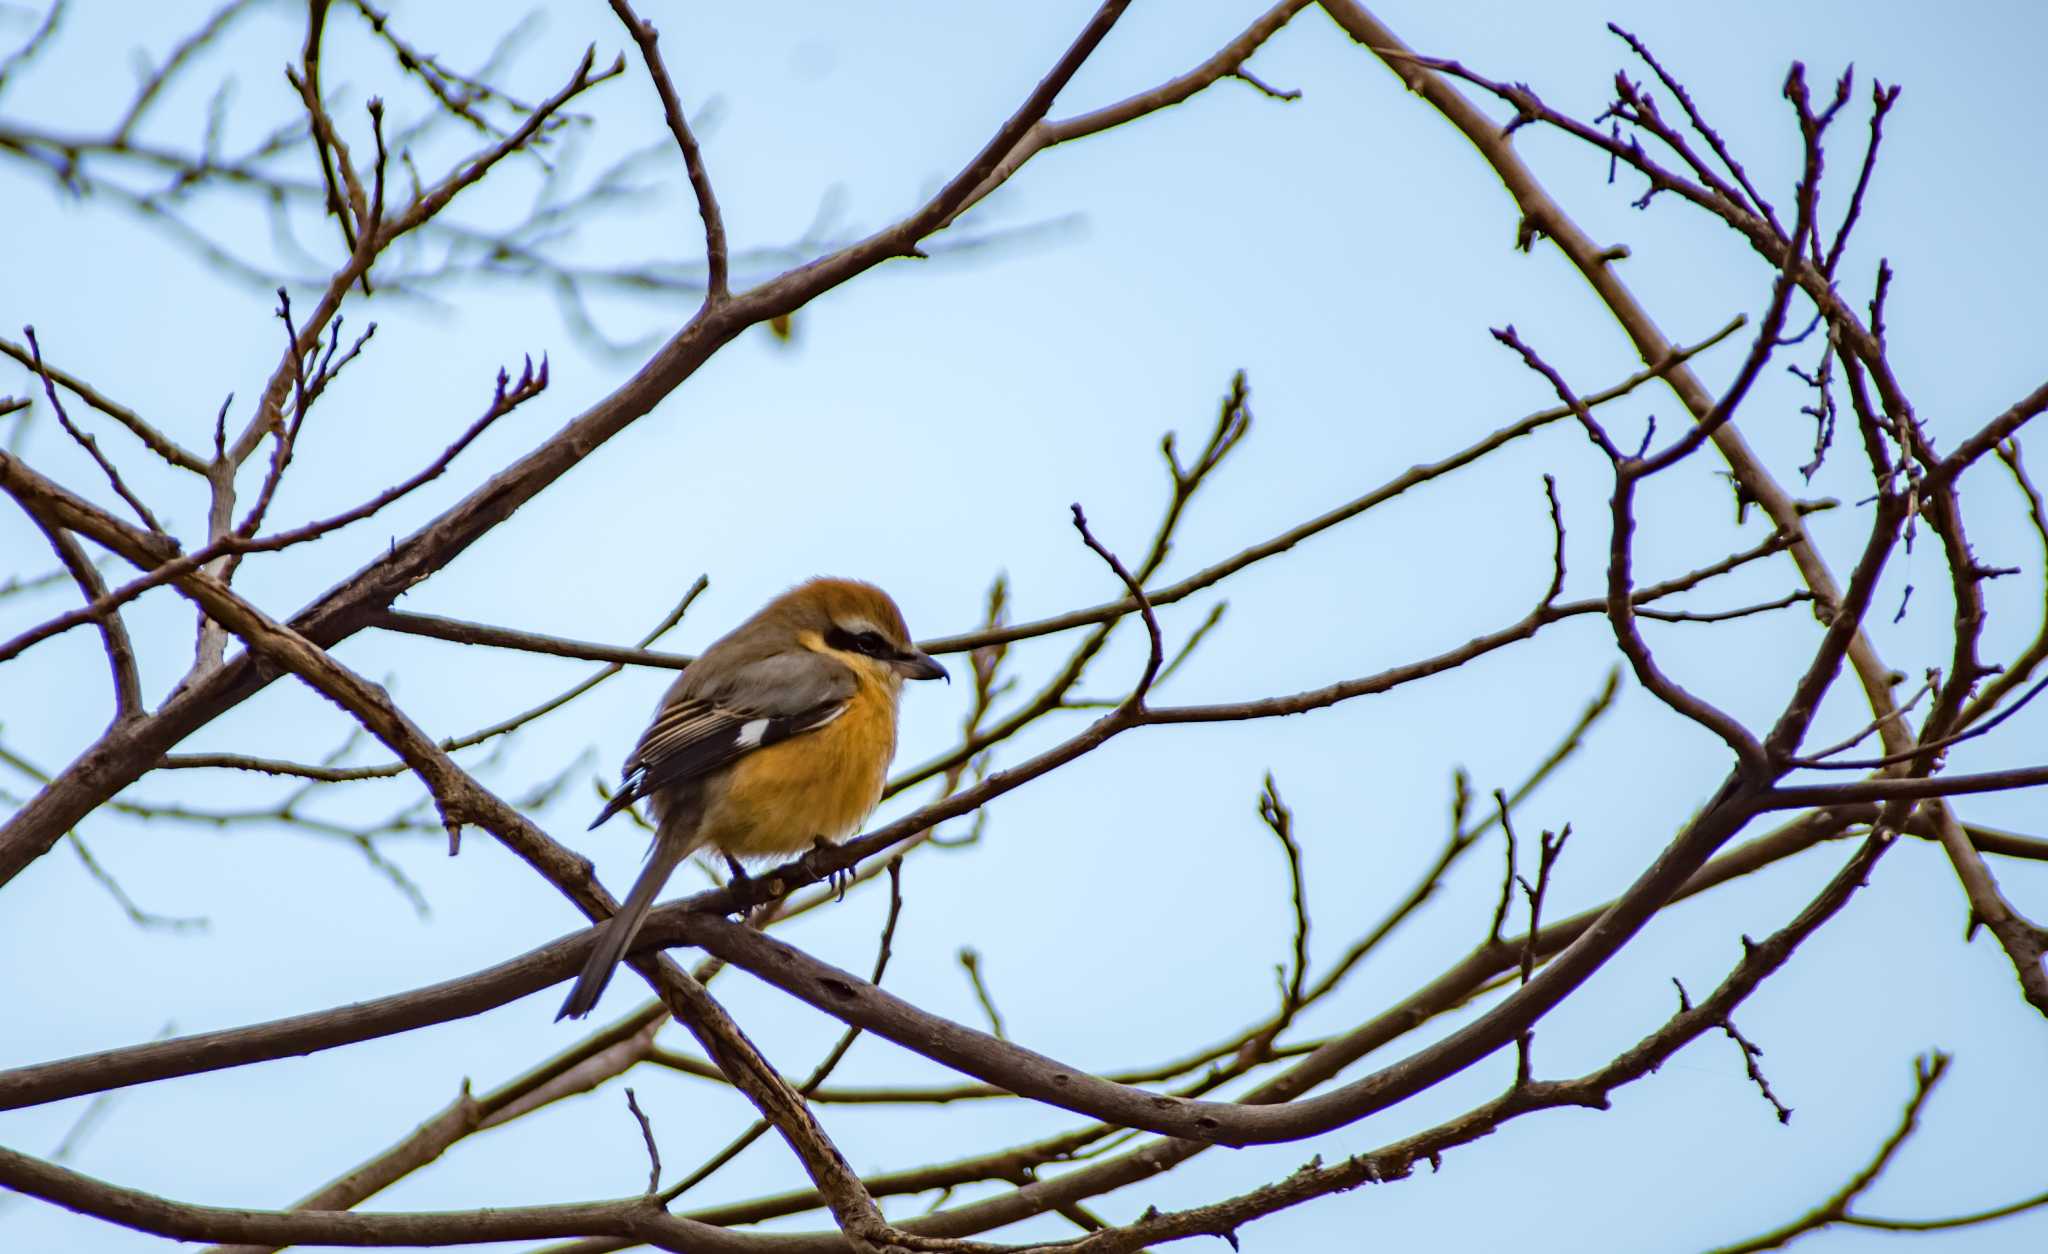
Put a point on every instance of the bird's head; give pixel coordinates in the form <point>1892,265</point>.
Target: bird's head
<point>858,624</point>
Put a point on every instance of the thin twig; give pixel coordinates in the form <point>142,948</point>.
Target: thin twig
<point>970,962</point>
<point>1279,820</point>
<point>647,1135</point>
<point>715,259</point>
<point>1927,1074</point>
<point>85,440</point>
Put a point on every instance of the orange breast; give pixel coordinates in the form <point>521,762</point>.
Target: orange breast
<point>825,783</point>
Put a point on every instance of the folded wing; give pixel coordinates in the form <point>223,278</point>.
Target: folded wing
<point>750,707</point>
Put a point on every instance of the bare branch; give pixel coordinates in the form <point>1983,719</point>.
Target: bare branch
<point>237,544</point>
<point>819,1074</point>
<point>85,441</point>
<point>1797,797</point>
<point>157,442</point>
<point>1156,654</point>
<point>457,631</point>
<point>113,632</point>
<point>1751,1052</point>
<point>35,43</point>
<point>1507,879</point>
<point>1927,1074</point>
<point>148,920</point>
<point>970,962</point>
<point>715,260</point>
<point>188,47</point>
<point>647,1135</point>
<point>1279,820</point>
<point>1281,543</point>
<point>680,922</point>
<point>1628,472</point>
<point>1227,62</point>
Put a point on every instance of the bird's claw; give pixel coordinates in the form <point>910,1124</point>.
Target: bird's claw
<point>835,879</point>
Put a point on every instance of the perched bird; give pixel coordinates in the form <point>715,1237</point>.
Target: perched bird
<point>777,738</point>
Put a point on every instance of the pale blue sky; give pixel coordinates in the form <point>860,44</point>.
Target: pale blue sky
<point>1350,253</point>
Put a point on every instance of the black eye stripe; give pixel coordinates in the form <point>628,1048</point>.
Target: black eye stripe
<point>866,642</point>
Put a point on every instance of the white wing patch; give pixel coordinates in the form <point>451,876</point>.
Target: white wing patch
<point>750,733</point>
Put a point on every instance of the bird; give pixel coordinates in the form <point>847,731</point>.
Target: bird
<point>777,739</point>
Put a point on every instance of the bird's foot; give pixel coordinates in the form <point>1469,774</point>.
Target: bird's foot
<point>740,884</point>
<point>813,863</point>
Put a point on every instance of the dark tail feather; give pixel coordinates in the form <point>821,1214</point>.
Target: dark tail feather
<point>625,796</point>
<point>620,929</point>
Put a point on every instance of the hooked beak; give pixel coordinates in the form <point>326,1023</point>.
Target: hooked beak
<point>917,664</point>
